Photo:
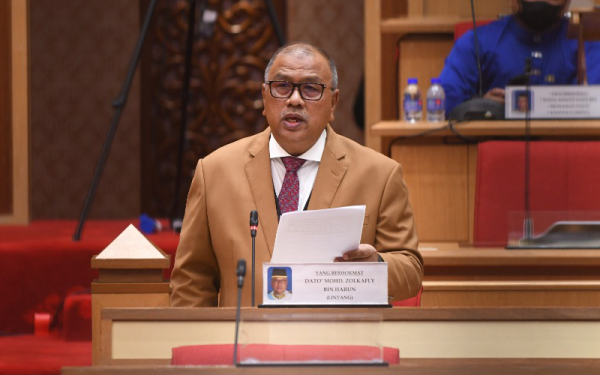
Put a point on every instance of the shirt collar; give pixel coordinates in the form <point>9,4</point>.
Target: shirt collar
<point>313,154</point>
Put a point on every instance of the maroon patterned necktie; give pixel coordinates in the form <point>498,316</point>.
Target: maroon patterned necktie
<point>290,189</point>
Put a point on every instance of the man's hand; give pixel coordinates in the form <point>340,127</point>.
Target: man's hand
<point>364,253</point>
<point>495,94</point>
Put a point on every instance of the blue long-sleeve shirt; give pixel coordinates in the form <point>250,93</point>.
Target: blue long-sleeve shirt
<point>504,47</point>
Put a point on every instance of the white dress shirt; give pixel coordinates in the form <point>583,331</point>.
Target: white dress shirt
<point>306,174</point>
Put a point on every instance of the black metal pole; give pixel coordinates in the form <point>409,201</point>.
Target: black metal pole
<point>119,105</point>
<point>528,222</point>
<point>275,22</point>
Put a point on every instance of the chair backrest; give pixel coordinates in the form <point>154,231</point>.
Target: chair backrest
<point>462,27</point>
<point>222,354</point>
<point>564,177</point>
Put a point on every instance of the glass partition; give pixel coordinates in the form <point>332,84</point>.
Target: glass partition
<point>311,339</point>
<point>554,230</point>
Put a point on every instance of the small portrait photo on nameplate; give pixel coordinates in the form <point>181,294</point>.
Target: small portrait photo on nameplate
<point>522,101</point>
<point>325,284</point>
<point>280,284</point>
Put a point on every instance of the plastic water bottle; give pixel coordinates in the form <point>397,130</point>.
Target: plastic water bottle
<point>413,105</point>
<point>436,102</point>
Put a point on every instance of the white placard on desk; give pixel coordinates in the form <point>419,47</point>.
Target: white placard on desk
<point>344,283</point>
<point>553,102</point>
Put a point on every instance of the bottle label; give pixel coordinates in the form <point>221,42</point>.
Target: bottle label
<point>412,105</point>
<point>436,105</point>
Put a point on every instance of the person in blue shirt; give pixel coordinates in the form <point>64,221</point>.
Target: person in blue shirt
<point>537,30</point>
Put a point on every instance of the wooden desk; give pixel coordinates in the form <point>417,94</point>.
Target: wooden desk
<point>440,168</point>
<point>477,277</point>
<point>449,262</point>
<point>145,336</point>
<point>406,367</point>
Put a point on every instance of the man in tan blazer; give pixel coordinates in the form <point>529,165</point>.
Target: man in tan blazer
<point>300,95</point>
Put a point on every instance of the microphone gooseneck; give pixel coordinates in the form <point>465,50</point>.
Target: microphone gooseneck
<point>528,222</point>
<point>479,75</point>
<point>241,273</point>
<point>253,227</point>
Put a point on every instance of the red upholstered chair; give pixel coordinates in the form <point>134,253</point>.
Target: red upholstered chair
<point>214,355</point>
<point>77,317</point>
<point>564,177</point>
<point>410,302</point>
<point>462,27</point>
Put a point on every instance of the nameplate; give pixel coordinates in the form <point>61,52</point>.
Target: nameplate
<point>325,283</point>
<point>553,102</point>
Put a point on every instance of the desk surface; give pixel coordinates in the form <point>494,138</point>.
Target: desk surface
<point>559,128</point>
<point>406,367</point>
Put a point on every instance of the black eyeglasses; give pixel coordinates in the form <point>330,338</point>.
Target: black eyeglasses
<point>285,89</point>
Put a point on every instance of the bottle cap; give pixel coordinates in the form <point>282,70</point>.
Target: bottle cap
<point>435,81</point>
<point>412,81</point>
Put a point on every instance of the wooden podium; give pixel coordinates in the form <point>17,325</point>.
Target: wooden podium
<point>131,280</point>
<point>431,340</point>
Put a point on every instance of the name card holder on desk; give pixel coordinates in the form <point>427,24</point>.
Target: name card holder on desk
<point>553,102</point>
<point>325,284</point>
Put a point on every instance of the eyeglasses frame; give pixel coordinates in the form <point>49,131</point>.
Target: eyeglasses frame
<point>294,86</point>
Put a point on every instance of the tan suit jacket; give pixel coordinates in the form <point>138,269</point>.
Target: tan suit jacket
<point>236,179</point>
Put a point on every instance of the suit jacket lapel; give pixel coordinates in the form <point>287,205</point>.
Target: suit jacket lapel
<point>258,173</point>
<point>331,172</point>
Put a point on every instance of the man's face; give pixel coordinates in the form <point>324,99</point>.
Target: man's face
<point>279,284</point>
<point>516,4</point>
<point>296,123</point>
<point>522,103</point>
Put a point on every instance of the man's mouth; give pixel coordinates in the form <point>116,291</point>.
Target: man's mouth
<point>293,119</point>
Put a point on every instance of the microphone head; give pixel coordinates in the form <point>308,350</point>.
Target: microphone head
<point>253,218</point>
<point>241,268</point>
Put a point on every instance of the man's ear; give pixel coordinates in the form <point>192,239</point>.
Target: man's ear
<point>264,92</point>
<point>335,95</point>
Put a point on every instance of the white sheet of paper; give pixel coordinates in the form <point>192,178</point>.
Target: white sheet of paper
<point>318,236</point>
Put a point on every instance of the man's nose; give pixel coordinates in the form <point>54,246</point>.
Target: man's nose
<point>296,98</point>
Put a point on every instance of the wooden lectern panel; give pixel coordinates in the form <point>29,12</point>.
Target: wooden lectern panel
<point>141,336</point>
<point>510,293</point>
<point>439,179</point>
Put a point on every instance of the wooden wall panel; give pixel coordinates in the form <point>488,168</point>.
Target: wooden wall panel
<point>483,9</point>
<point>6,179</point>
<point>342,21</point>
<point>79,55</point>
<point>437,176</point>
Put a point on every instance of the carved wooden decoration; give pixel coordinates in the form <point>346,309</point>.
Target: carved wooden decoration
<point>225,102</point>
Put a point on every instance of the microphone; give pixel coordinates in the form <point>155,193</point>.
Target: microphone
<point>477,108</point>
<point>253,226</point>
<point>241,273</point>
